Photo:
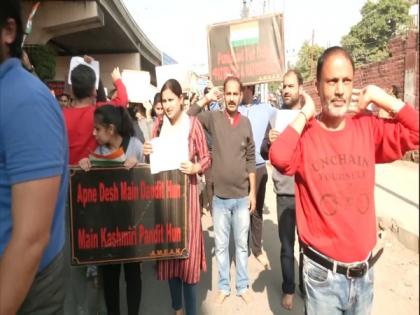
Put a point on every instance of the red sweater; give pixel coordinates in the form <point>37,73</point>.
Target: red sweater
<point>79,123</point>
<point>335,178</point>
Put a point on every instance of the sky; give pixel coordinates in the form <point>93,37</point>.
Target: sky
<point>179,27</point>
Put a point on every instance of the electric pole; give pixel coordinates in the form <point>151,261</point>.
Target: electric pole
<point>312,70</point>
<point>244,10</point>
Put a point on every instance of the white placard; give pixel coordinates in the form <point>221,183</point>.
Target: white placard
<point>168,153</point>
<point>94,64</point>
<point>283,118</point>
<point>137,84</point>
<point>176,71</point>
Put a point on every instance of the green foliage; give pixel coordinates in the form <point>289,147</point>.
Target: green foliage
<point>381,20</point>
<point>43,59</point>
<point>308,57</point>
<point>273,86</point>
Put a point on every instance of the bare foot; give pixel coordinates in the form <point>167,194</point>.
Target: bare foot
<point>246,297</point>
<point>263,260</point>
<point>220,298</point>
<point>287,301</point>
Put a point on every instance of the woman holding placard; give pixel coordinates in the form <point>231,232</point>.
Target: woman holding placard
<point>183,275</point>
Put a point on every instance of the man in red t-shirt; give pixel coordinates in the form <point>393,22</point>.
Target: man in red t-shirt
<point>333,159</point>
<point>79,117</point>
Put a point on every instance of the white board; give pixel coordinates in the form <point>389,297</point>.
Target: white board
<point>75,61</point>
<point>178,72</point>
<point>283,118</point>
<point>137,84</point>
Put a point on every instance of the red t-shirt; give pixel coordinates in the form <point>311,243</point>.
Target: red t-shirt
<point>79,123</point>
<point>335,178</point>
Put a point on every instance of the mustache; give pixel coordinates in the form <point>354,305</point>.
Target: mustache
<point>231,103</point>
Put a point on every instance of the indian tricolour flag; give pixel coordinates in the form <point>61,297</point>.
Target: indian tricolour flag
<point>244,34</point>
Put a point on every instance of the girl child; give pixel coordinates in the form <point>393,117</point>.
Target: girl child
<point>114,133</point>
<point>183,275</point>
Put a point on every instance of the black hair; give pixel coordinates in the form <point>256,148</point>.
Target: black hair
<point>252,87</point>
<point>100,92</point>
<point>297,74</point>
<point>233,78</point>
<point>193,95</point>
<point>10,9</point>
<point>141,109</point>
<point>206,90</point>
<point>132,109</point>
<point>63,94</point>
<point>82,81</point>
<point>156,99</point>
<point>395,91</point>
<point>335,50</point>
<point>118,116</point>
<point>174,86</point>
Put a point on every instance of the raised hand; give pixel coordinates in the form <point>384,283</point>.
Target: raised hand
<point>309,108</point>
<point>213,95</point>
<point>116,74</point>
<point>376,95</point>
<point>88,59</point>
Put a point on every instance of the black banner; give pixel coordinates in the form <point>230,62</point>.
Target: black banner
<point>120,215</point>
<point>251,49</point>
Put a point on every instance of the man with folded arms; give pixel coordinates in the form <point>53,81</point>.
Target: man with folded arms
<point>333,159</point>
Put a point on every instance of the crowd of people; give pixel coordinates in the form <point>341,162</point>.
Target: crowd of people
<point>323,174</point>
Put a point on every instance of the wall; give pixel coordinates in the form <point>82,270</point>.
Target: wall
<point>400,69</point>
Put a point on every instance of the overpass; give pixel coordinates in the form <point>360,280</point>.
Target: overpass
<point>103,29</point>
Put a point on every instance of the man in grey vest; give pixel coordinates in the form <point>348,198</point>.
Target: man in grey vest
<point>285,192</point>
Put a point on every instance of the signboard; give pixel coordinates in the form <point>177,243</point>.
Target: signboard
<point>138,85</point>
<point>56,86</point>
<point>120,215</point>
<point>251,49</point>
<point>94,64</point>
<point>177,71</point>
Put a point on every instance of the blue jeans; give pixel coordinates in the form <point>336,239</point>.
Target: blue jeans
<point>235,213</point>
<point>180,288</point>
<point>329,293</point>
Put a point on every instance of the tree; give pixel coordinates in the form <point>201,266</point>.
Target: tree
<point>307,59</point>
<point>43,59</point>
<point>367,41</point>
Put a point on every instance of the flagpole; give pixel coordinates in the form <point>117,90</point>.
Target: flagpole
<point>28,28</point>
